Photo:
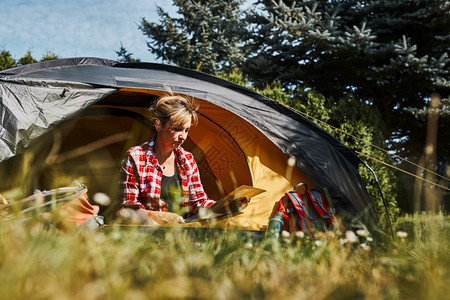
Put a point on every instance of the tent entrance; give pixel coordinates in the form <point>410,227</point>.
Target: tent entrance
<point>229,152</point>
<point>90,146</point>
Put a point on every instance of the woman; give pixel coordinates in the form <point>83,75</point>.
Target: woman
<point>160,175</point>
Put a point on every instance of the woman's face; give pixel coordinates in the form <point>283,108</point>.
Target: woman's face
<point>171,136</point>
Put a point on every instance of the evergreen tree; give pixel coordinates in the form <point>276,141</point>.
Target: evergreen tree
<point>27,59</point>
<point>208,36</point>
<point>125,56</point>
<point>6,60</point>
<point>392,54</point>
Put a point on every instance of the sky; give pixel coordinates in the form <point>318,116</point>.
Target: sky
<point>75,28</point>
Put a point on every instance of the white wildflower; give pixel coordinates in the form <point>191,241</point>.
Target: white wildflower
<point>343,241</point>
<point>102,199</point>
<point>318,243</point>
<point>362,232</point>
<point>402,234</point>
<point>369,239</point>
<point>285,234</point>
<point>351,236</point>
<point>300,234</point>
<point>365,246</point>
<point>248,245</point>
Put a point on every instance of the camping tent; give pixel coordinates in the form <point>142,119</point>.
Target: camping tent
<point>82,114</point>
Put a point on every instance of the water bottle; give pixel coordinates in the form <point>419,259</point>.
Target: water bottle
<point>275,225</point>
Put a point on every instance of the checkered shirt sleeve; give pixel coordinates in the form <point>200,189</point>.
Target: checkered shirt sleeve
<point>131,169</point>
<point>197,195</point>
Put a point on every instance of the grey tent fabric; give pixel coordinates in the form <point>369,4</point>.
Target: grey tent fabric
<point>34,98</point>
<point>28,109</point>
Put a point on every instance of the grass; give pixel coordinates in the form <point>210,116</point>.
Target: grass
<point>38,261</point>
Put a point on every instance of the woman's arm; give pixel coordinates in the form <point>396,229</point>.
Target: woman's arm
<point>129,182</point>
<point>198,197</point>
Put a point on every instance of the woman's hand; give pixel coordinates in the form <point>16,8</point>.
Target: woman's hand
<point>162,217</point>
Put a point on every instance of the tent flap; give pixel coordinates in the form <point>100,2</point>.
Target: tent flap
<point>27,110</point>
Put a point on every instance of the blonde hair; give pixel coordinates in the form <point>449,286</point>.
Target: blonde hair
<point>178,108</point>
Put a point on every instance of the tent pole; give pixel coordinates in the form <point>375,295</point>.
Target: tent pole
<point>382,197</point>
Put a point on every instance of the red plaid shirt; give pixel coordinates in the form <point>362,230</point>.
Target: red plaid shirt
<point>141,175</point>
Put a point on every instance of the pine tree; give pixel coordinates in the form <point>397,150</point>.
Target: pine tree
<point>391,54</point>
<point>6,60</point>
<point>125,56</point>
<point>27,59</point>
<point>208,36</point>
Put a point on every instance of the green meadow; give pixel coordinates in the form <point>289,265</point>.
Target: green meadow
<point>39,259</point>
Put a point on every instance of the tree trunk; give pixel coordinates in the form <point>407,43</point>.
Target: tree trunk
<point>432,194</point>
